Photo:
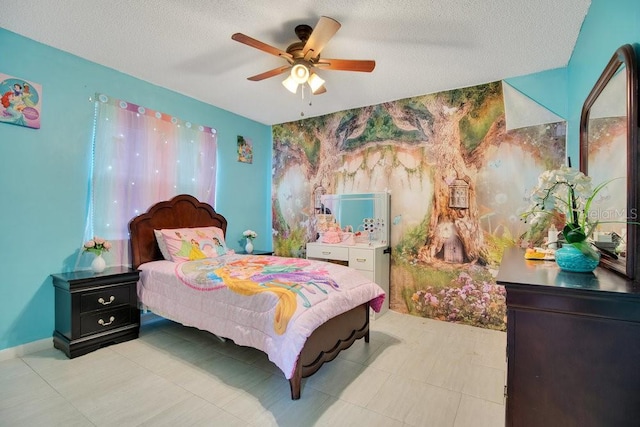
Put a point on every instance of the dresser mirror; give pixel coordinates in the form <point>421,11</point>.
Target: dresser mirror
<point>609,152</point>
<point>364,212</point>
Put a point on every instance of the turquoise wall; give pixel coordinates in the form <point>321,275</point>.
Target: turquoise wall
<point>44,175</point>
<point>608,25</point>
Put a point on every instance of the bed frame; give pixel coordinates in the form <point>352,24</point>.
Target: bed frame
<point>183,211</point>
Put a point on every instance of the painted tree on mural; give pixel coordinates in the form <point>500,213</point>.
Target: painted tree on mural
<point>456,128</point>
<point>455,161</point>
<point>312,146</point>
<point>318,145</point>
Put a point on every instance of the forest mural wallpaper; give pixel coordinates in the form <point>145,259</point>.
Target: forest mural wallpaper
<point>445,251</point>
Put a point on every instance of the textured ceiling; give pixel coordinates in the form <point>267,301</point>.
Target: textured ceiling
<point>420,46</point>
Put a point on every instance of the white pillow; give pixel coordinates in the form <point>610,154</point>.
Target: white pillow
<point>162,245</point>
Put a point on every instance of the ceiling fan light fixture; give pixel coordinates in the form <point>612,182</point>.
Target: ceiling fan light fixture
<point>315,82</point>
<point>299,72</point>
<point>304,56</point>
<point>290,84</point>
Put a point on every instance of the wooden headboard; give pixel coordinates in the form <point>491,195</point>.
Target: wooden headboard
<point>183,211</point>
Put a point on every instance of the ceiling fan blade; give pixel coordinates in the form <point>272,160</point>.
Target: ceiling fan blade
<point>321,34</point>
<point>249,41</point>
<point>366,66</point>
<point>320,91</point>
<point>270,73</point>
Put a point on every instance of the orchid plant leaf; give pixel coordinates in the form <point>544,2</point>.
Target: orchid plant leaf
<point>569,192</point>
<point>573,233</point>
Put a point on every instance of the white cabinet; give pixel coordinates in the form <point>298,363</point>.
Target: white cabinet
<point>371,260</point>
<point>364,213</point>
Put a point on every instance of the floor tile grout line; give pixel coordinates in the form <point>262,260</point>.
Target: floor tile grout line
<point>58,392</point>
<point>402,329</point>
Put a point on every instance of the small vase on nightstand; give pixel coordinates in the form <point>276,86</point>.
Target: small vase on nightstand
<point>98,264</point>
<point>248,247</point>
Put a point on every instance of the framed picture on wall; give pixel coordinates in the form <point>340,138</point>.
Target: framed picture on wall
<point>20,101</point>
<point>245,150</point>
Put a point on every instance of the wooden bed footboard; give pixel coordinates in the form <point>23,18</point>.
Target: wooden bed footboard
<point>326,342</point>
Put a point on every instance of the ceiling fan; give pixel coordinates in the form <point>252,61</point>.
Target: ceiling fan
<point>304,56</point>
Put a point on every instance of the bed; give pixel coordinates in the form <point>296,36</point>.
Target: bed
<point>317,330</point>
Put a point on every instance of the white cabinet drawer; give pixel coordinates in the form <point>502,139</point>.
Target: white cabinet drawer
<point>361,259</point>
<point>327,252</point>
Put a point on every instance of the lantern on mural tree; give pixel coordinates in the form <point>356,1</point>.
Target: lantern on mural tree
<point>317,199</point>
<point>459,194</point>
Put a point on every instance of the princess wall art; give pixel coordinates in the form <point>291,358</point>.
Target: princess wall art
<point>20,102</point>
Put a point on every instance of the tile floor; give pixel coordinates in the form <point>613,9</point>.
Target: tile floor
<point>414,372</point>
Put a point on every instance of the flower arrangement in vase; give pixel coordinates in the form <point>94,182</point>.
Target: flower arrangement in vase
<point>97,246</point>
<point>567,192</point>
<point>249,235</point>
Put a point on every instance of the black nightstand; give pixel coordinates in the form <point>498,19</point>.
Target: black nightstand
<point>95,309</point>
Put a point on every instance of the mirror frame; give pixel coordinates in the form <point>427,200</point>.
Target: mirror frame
<point>625,55</point>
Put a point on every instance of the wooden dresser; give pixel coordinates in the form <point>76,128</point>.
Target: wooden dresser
<point>573,346</point>
<point>95,309</point>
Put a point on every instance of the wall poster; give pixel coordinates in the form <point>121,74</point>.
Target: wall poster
<point>20,102</point>
<point>245,150</point>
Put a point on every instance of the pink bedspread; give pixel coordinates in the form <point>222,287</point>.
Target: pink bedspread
<point>269,303</point>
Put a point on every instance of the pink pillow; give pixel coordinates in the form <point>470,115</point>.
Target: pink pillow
<point>184,244</point>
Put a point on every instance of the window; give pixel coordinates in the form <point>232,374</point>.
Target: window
<point>140,157</point>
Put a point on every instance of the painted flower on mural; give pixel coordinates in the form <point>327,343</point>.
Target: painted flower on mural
<point>465,301</point>
<point>97,246</point>
<point>568,192</point>
<point>249,234</point>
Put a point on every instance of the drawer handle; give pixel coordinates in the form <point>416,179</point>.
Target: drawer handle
<point>361,259</point>
<point>111,319</point>
<point>326,252</point>
<point>103,302</point>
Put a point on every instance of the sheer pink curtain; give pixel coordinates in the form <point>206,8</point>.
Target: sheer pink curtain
<point>141,157</point>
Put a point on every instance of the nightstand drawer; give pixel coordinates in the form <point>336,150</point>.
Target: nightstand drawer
<point>328,252</point>
<point>105,298</point>
<point>104,320</point>
<point>361,259</point>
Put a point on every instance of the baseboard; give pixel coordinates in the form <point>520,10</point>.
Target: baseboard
<point>43,344</point>
<point>24,349</point>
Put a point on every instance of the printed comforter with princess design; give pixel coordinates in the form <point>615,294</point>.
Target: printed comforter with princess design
<point>269,303</point>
